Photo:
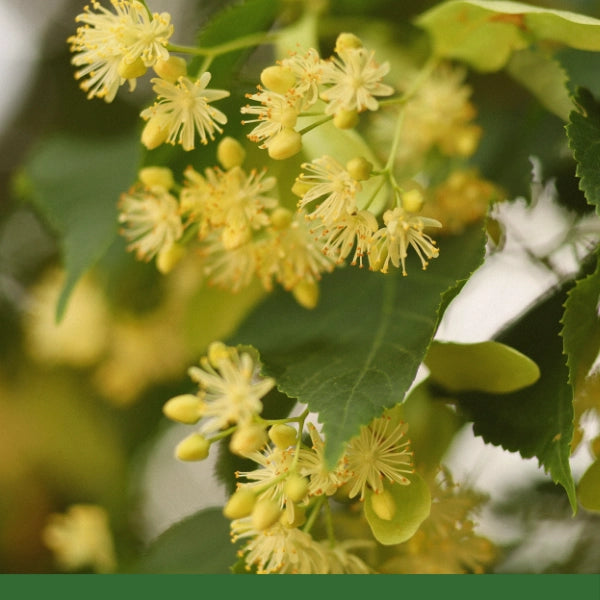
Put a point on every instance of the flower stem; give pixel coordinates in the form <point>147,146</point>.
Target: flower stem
<point>313,514</point>
<point>315,124</point>
<point>247,41</point>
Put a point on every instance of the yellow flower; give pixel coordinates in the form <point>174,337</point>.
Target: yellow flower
<point>81,538</point>
<point>402,229</point>
<point>312,464</point>
<point>114,47</point>
<point>228,269</point>
<point>328,182</point>
<point>151,220</point>
<point>182,109</point>
<point>274,114</point>
<point>81,337</point>
<point>348,232</point>
<point>291,256</point>
<point>273,462</point>
<point>231,387</point>
<point>280,549</point>
<point>356,80</point>
<point>378,452</point>
<point>308,68</point>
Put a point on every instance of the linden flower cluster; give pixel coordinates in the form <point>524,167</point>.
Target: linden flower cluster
<point>111,48</point>
<point>114,47</point>
<point>332,194</point>
<point>234,219</point>
<point>348,84</point>
<point>276,504</point>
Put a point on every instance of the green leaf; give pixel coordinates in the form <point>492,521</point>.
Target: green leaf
<point>536,421</point>
<point>583,132</point>
<point>198,544</point>
<point>76,184</point>
<point>484,33</point>
<point>544,78</point>
<point>233,22</point>
<point>483,367</point>
<point>358,351</point>
<point>413,504</point>
<point>581,327</point>
<point>588,490</point>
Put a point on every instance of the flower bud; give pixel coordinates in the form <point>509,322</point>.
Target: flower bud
<point>467,140</point>
<point>347,41</point>
<point>186,408</point>
<point>168,257</point>
<point>300,187</point>
<point>412,200</point>
<point>157,176</point>
<point>218,351</point>
<point>281,218</point>
<point>153,135</point>
<point>298,515</point>
<point>306,293</point>
<point>383,505</point>
<point>266,512</point>
<point>288,117</point>
<point>132,70</point>
<point>172,69</point>
<point>233,237</point>
<point>193,447</point>
<point>247,439</point>
<point>345,119</point>
<point>285,144</point>
<point>359,168</point>
<point>278,78</point>
<point>230,153</point>
<point>295,487</point>
<point>283,436</point>
<point>240,504</point>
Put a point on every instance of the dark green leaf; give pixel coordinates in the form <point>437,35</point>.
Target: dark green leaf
<point>584,140</point>
<point>581,328</point>
<point>234,22</point>
<point>198,544</point>
<point>358,351</point>
<point>76,184</point>
<point>538,420</point>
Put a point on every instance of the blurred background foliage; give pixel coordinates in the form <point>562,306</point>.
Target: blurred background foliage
<point>80,404</point>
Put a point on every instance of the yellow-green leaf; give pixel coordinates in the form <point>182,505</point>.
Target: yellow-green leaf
<point>484,34</point>
<point>489,367</point>
<point>413,504</point>
<point>588,491</point>
<point>544,78</point>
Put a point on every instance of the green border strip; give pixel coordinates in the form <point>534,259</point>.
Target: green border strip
<point>584,587</point>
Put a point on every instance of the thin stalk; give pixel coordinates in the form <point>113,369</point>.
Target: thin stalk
<point>329,525</point>
<point>313,514</point>
<point>247,41</point>
<point>315,124</point>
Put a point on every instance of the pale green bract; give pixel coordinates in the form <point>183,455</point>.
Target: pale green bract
<point>485,34</point>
